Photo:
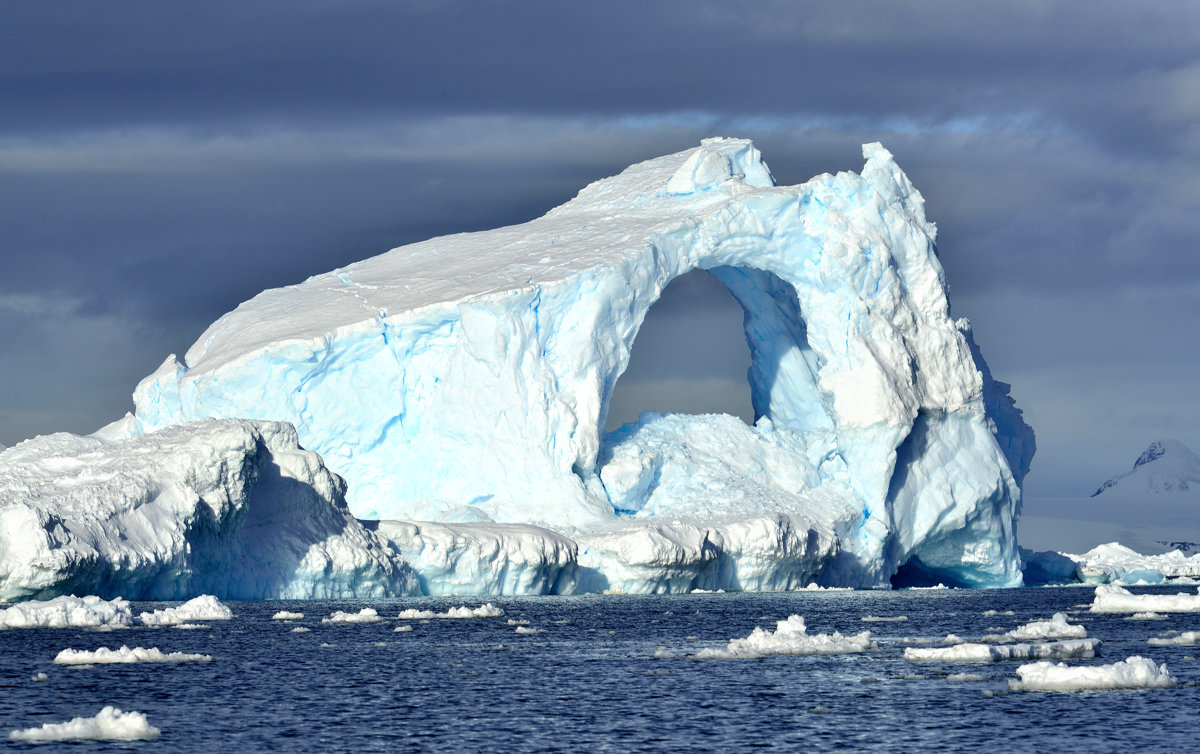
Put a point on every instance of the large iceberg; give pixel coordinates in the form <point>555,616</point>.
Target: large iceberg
<point>460,387</point>
<point>234,508</point>
<point>468,378</point>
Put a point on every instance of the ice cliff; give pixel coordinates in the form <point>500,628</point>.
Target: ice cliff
<point>232,508</point>
<point>465,381</point>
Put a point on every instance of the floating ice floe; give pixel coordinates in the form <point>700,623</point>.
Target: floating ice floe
<point>979,653</point>
<point>1146,616</point>
<point>883,619</point>
<point>204,607</point>
<point>67,611</point>
<point>111,724</point>
<point>965,678</point>
<point>366,615</point>
<point>1185,639</point>
<point>402,629</point>
<point>285,615</point>
<point>1114,599</point>
<point>483,611</point>
<point>301,630</point>
<point>529,630</point>
<point>993,613</point>
<point>516,622</point>
<point>790,637</point>
<point>1055,628</point>
<point>124,655</point>
<point>1132,673</point>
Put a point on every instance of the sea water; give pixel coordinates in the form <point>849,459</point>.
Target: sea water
<point>590,680</point>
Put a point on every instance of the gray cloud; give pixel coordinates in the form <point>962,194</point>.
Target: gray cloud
<point>160,164</point>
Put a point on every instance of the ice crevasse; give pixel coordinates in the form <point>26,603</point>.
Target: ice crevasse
<point>466,381</point>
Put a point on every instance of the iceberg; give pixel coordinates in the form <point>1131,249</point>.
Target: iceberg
<point>1133,673</point>
<point>1110,598</point>
<point>68,611</point>
<point>467,379</point>
<point>231,508</point>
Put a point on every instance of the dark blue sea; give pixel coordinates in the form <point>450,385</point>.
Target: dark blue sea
<point>591,681</point>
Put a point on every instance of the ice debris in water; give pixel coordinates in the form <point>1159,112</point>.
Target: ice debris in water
<point>204,607</point>
<point>301,630</point>
<point>978,653</point>
<point>965,677</point>
<point>1185,639</point>
<point>1133,673</point>
<point>124,655</point>
<point>1114,599</point>
<point>529,630</point>
<point>1146,616</point>
<point>993,613</point>
<point>366,615</point>
<point>790,637</point>
<point>111,724</point>
<point>883,619</point>
<point>1055,628</point>
<point>402,629</point>
<point>483,611</point>
<point>40,677</point>
<point>66,611</point>
<point>285,615</point>
<point>517,622</point>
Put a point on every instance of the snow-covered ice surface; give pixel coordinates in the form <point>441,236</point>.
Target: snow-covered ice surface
<point>124,656</point>
<point>968,652</point>
<point>1132,673</point>
<point>881,439</point>
<point>1055,628</point>
<point>110,724</point>
<point>365,615</point>
<point>203,608</point>
<point>67,611</point>
<point>268,687</point>
<point>790,637</point>
<point>230,507</point>
<point>1110,598</point>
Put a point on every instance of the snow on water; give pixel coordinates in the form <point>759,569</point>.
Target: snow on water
<point>111,724</point>
<point>286,615</point>
<point>1055,628</point>
<point>204,607</point>
<point>124,655</point>
<point>366,615</point>
<point>68,611</point>
<point>1185,639</point>
<point>979,653</point>
<point>1114,599</point>
<point>483,611</point>
<point>790,637</point>
<point>1132,673</point>
<point>883,432</point>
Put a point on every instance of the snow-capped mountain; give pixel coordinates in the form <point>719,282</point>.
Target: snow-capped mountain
<point>1167,466</point>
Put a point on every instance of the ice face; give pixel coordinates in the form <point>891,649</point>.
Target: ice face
<point>230,507</point>
<point>468,378</point>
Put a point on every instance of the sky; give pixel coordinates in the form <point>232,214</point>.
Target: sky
<point>162,162</point>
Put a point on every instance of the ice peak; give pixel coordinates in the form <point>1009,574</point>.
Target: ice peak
<point>717,160</point>
<point>1165,466</point>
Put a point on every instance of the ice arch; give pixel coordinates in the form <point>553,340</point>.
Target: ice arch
<point>467,377</point>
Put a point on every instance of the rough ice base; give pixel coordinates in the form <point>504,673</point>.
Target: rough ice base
<point>232,508</point>
<point>856,365</point>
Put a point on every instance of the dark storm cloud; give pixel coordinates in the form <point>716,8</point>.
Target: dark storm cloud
<point>160,163</point>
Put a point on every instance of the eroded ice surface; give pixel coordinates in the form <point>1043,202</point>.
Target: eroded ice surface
<point>1132,673</point>
<point>979,653</point>
<point>882,439</point>
<point>233,508</point>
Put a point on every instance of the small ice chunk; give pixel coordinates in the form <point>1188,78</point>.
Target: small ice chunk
<point>790,637</point>
<point>40,677</point>
<point>483,611</point>
<point>1114,599</point>
<point>301,630</point>
<point>993,613</point>
<point>63,612</point>
<point>124,655</point>
<point>517,622</point>
<point>402,629</point>
<point>366,615</point>
<point>530,630</point>
<point>1146,616</point>
<point>204,607</point>
<point>965,677</point>
<point>883,619</point>
<point>1055,628</point>
<point>111,724</point>
<point>190,626</point>
<point>1132,673</point>
<point>979,653</point>
<point>379,644</point>
<point>286,615</point>
<point>1185,639</point>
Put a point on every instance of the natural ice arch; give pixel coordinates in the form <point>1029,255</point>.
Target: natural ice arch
<point>466,377</point>
<point>690,356</point>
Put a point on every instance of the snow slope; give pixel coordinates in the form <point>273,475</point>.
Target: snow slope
<point>233,508</point>
<point>1167,466</point>
<point>467,378</point>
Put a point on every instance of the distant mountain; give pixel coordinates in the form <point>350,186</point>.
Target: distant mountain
<point>1167,466</point>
